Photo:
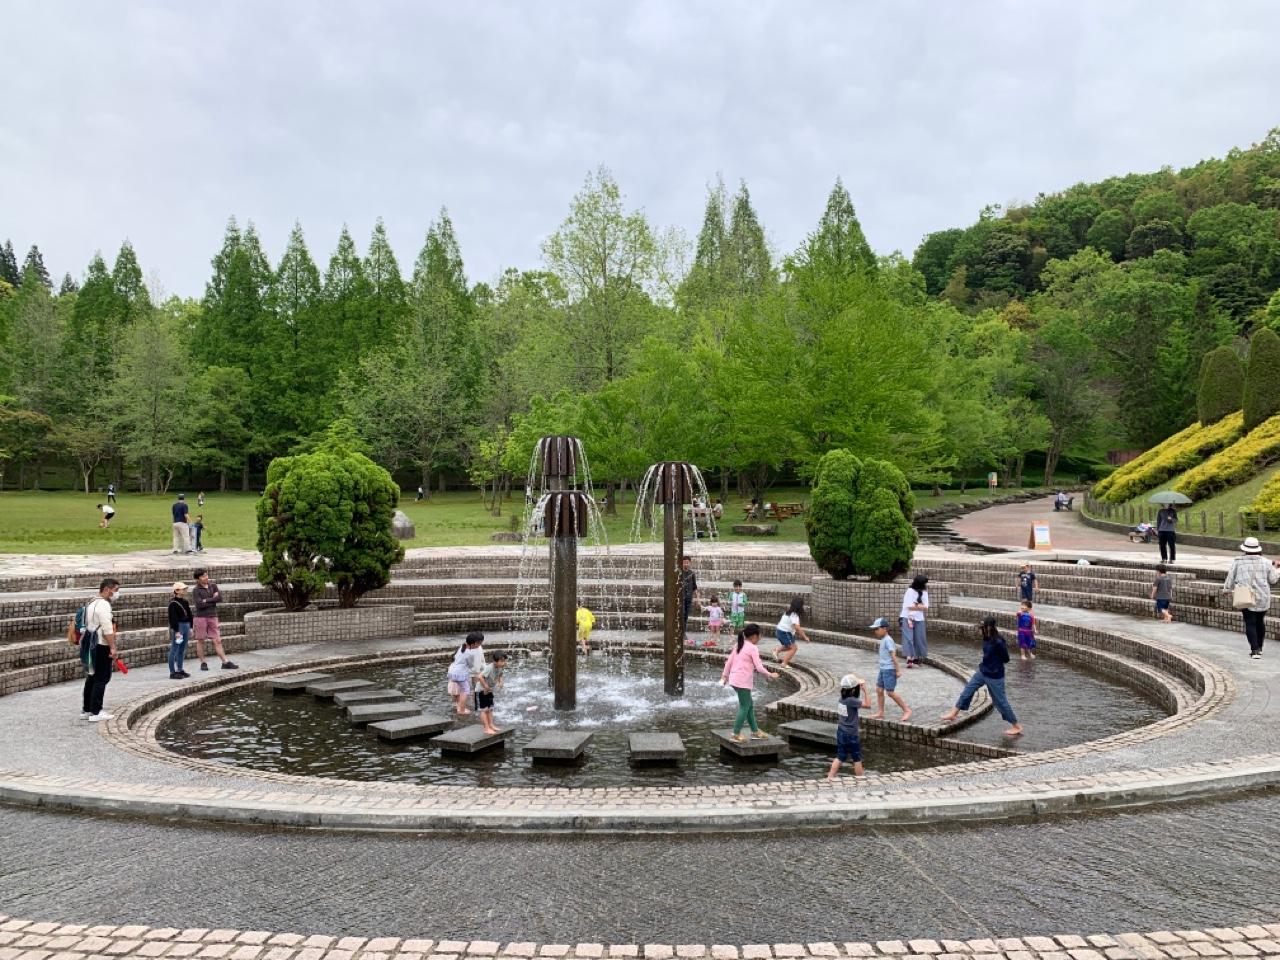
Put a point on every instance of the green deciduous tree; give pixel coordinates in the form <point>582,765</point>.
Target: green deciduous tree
<point>149,402</point>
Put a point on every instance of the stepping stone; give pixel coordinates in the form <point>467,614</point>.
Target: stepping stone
<point>407,728</point>
<point>296,682</point>
<point>327,688</point>
<point>471,739</point>
<point>373,712</point>
<point>819,732</point>
<point>349,698</point>
<point>557,745</point>
<point>749,749</point>
<point>646,747</point>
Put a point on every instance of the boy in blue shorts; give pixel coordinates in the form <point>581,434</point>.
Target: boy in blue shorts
<point>848,743</point>
<point>887,678</point>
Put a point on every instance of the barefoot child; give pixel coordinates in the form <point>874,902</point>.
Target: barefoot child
<point>737,606</point>
<point>740,672</point>
<point>1162,593</point>
<point>490,679</point>
<point>585,622</point>
<point>887,678</point>
<point>848,743</point>
<point>1026,631</point>
<point>789,633</point>
<point>990,673</point>
<point>715,620</point>
<point>460,674</point>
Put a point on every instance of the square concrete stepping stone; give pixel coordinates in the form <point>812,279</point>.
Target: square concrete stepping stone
<point>349,698</point>
<point>296,682</point>
<point>471,739</point>
<point>818,732</point>
<point>373,712</point>
<point>656,747</point>
<point>327,688</point>
<point>557,745</point>
<point>408,728</point>
<point>749,749</point>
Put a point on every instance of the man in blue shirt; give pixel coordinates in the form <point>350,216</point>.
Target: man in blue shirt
<point>181,532</point>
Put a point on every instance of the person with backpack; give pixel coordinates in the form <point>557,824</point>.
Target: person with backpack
<point>94,633</point>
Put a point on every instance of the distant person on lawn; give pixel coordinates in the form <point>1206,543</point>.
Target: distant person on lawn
<point>111,493</point>
<point>207,597</point>
<point>181,531</point>
<point>108,511</point>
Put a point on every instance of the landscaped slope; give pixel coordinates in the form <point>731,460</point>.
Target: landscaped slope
<point>1166,460</point>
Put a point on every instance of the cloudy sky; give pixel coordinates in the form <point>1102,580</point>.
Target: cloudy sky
<point>156,121</point>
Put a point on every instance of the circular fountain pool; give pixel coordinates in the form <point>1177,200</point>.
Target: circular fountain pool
<point>617,695</point>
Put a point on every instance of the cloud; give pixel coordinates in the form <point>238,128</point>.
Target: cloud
<point>157,121</point>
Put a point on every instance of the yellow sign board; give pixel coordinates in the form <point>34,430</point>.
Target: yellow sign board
<point>1039,539</point>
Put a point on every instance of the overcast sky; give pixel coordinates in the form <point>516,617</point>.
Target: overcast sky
<point>156,121</point>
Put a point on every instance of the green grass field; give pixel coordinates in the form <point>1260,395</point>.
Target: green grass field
<point>67,522</point>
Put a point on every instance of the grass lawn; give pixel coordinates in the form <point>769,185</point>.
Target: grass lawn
<point>67,522</point>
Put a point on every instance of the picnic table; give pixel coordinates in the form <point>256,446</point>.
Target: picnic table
<point>773,511</point>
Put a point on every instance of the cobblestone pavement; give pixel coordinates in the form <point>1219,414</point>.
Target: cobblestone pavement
<point>1090,874</point>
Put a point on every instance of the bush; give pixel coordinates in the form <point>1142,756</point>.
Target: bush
<point>1262,379</point>
<point>859,521</point>
<point>1267,502</point>
<point>1237,463</point>
<point>326,516</point>
<point>1221,385</point>
<point>1180,452</point>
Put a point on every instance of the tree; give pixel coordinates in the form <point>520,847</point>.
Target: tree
<point>23,433</point>
<point>132,298</point>
<point>751,272</point>
<point>221,420</point>
<point>608,260</point>
<point>345,295</point>
<point>87,440</point>
<point>1262,378</point>
<point>68,285</point>
<point>1221,390</point>
<point>326,515</point>
<point>1109,232</point>
<point>1065,385</point>
<point>859,520</point>
<point>34,264</point>
<point>387,304</point>
<point>9,271</point>
<point>149,400</point>
<point>302,356</point>
<point>95,324</point>
<point>1151,236</point>
<point>933,258</point>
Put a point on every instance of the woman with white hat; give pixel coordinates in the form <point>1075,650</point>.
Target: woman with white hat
<point>1249,582</point>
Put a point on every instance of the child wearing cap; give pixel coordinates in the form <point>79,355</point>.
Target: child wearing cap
<point>887,678</point>
<point>848,743</point>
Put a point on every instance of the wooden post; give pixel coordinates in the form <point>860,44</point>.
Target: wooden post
<point>1222,528</point>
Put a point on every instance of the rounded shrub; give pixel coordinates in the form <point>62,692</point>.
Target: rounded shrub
<point>1262,378</point>
<point>859,521</point>
<point>1221,385</point>
<point>325,517</point>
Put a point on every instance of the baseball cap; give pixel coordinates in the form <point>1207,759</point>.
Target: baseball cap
<point>878,623</point>
<point>849,681</point>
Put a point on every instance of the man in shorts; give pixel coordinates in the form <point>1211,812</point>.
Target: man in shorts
<point>207,597</point>
<point>887,678</point>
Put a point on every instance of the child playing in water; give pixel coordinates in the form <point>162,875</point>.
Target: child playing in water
<point>1026,631</point>
<point>848,743</point>
<point>460,672</point>
<point>489,680</point>
<point>737,605</point>
<point>889,671</point>
<point>585,622</point>
<point>715,620</point>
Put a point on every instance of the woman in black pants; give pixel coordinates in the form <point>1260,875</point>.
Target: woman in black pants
<point>1167,532</point>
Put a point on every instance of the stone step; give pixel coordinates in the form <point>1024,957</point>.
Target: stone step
<point>409,728</point>
<point>350,698</point>
<point>471,739</point>
<point>296,682</point>
<point>557,745</point>
<point>750,748</point>
<point>373,712</point>
<point>328,688</point>
<point>656,747</point>
<point>809,731</point>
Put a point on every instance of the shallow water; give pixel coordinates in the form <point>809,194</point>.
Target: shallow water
<point>617,695</point>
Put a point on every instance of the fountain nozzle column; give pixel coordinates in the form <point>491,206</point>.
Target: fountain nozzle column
<point>674,489</point>
<point>564,520</point>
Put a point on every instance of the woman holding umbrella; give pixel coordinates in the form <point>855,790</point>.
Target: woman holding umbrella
<point>1167,522</point>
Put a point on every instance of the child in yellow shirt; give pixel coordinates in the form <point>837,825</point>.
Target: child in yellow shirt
<point>585,622</point>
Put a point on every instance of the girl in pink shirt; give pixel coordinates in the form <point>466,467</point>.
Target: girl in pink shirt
<point>739,672</point>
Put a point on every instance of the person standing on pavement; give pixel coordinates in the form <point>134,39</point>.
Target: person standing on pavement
<point>990,673</point>
<point>688,590</point>
<point>208,596</point>
<point>1249,582</point>
<point>179,631</point>
<point>915,602</point>
<point>181,531</point>
<point>1167,532</point>
<point>103,644</point>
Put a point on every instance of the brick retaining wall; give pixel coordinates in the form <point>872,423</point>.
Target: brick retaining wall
<point>276,628</point>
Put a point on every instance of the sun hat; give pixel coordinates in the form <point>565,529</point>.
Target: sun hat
<point>849,681</point>
<point>1251,545</point>
<point>179,585</point>
<point>878,623</point>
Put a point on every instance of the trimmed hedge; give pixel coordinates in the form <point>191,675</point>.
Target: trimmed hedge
<point>1139,462</point>
<point>1267,502</point>
<point>1237,463</point>
<point>1262,381</point>
<point>859,520</point>
<point>1221,385</point>
<point>1180,452</point>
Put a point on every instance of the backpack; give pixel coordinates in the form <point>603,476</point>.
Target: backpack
<point>79,636</point>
